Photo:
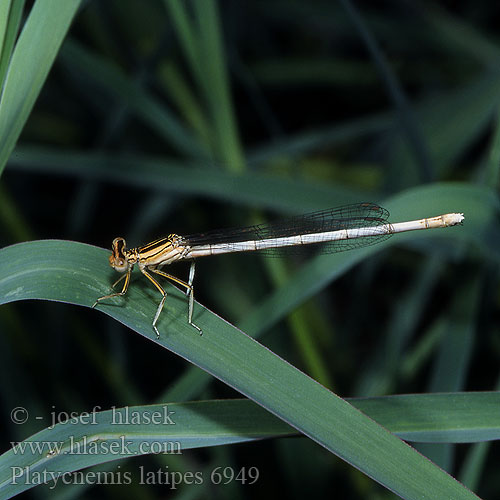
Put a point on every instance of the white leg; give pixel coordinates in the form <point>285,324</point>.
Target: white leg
<point>190,291</point>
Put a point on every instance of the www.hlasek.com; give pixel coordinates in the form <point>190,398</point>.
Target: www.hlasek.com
<point>217,476</point>
<point>95,445</point>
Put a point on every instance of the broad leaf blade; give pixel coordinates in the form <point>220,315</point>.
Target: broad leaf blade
<point>77,273</point>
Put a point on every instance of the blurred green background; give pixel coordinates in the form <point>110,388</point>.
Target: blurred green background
<point>161,117</point>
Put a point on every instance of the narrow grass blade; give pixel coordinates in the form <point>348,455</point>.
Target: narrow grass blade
<point>168,175</point>
<point>407,118</point>
<point>31,61</point>
<point>200,38</point>
<point>10,19</point>
<point>144,105</point>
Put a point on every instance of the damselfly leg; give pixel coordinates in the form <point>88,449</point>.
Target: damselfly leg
<point>126,277</point>
<point>146,272</point>
<point>189,291</point>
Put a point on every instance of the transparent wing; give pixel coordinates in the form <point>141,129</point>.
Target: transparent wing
<point>360,215</point>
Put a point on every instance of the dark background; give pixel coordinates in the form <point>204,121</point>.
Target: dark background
<point>320,94</point>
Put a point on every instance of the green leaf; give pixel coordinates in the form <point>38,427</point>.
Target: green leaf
<point>99,437</point>
<point>78,274</point>
<point>202,43</point>
<point>31,62</point>
<point>168,175</point>
<point>10,18</point>
<point>144,105</point>
<point>173,427</point>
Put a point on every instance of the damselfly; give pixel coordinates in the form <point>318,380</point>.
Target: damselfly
<point>333,230</point>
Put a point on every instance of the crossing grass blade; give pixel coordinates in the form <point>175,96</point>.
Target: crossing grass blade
<point>77,273</point>
<point>172,427</point>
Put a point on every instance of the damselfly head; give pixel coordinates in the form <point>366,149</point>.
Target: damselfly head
<point>118,259</point>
